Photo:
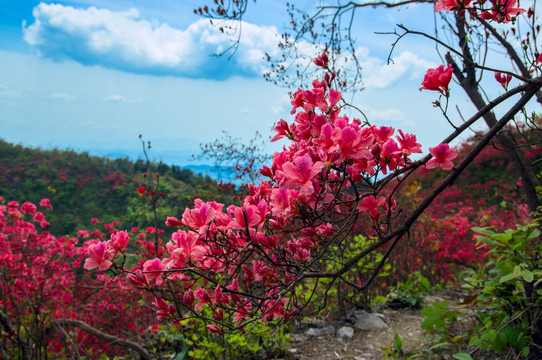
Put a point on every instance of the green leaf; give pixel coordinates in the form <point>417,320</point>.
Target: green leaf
<point>486,240</point>
<point>439,345</point>
<point>499,343</point>
<point>397,343</point>
<point>462,356</point>
<point>483,231</point>
<point>508,277</point>
<point>502,237</point>
<point>533,234</point>
<point>527,275</point>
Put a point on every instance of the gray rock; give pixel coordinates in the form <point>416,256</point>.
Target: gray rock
<point>345,332</point>
<point>429,299</point>
<point>367,321</point>
<point>328,330</point>
<point>260,355</point>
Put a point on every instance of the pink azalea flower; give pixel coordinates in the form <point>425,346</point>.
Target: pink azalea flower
<point>200,217</point>
<point>502,11</point>
<point>244,217</point>
<point>219,297</point>
<point>274,309</point>
<point>283,129</point>
<point>450,5</point>
<point>351,142</point>
<point>184,247</point>
<point>166,310</point>
<point>322,60</point>
<point>442,156</point>
<point>99,257</point>
<point>262,273</point>
<point>300,173</point>
<point>173,221</point>
<point>409,144</point>
<point>370,204</point>
<point>382,133</point>
<point>13,204</point>
<point>119,241</point>
<point>302,255</point>
<point>46,203</point>
<point>138,279</point>
<point>334,97</point>
<point>28,208</point>
<point>438,79</point>
<point>152,269</point>
<point>242,312</point>
<point>188,297</point>
<point>502,79</point>
<point>213,328</point>
<point>283,201</point>
<point>390,156</point>
<point>309,99</point>
<point>38,217</point>
<point>234,287</point>
<point>202,296</point>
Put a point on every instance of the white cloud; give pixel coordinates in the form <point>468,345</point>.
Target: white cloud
<point>387,115</point>
<point>61,96</point>
<point>118,98</point>
<point>125,41</point>
<point>376,73</point>
<point>283,105</point>
<point>7,92</point>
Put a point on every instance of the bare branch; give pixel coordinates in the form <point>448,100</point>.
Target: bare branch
<point>101,335</point>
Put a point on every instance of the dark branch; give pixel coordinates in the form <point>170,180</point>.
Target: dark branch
<point>101,335</point>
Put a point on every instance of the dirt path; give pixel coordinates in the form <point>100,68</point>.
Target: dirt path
<point>363,345</point>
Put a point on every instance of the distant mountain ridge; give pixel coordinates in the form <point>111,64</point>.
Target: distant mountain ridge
<point>83,186</point>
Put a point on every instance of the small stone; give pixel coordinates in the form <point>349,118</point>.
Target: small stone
<point>293,351</point>
<point>328,330</point>
<point>429,299</point>
<point>260,355</point>
<point>345,332</point>
<point>367,321</point>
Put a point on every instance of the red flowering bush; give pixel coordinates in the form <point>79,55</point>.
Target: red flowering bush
<point>230,264</point>
<point>47,305</point>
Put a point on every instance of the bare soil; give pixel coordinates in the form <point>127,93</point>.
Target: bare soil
<point>364,345</point>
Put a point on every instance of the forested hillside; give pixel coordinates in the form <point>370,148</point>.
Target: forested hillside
<point>82,187</point>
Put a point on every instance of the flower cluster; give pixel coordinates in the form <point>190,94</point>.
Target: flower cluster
<point>41,272</point>
<point>232,263</point>
<point>501,11</point>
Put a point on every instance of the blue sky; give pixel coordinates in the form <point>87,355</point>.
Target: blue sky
<point>94,74</point>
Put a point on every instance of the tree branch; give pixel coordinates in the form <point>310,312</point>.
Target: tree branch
<point>511,52</point>
<point>398,234</point>
<point>12,332</point>
<point>101,335</point>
